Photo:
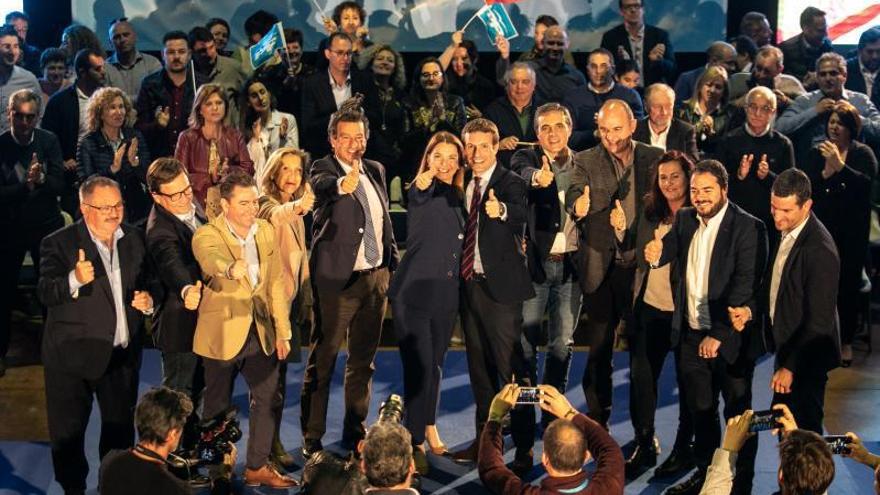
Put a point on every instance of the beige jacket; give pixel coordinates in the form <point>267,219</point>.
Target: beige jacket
<point>290,235</point>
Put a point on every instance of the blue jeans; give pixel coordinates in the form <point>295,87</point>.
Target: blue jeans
<point>560,296</point>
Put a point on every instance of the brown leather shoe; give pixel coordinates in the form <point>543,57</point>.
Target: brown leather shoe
<point>267,476</point>
<point>467,454</point>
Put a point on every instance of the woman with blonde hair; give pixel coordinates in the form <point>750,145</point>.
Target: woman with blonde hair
<point>708,109</point>
<point>210,149</point>
<point>287,198</point>
<point>113,148</point>
<point>425,287</point>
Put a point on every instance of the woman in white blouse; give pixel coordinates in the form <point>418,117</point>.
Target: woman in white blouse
<point>265,129</point>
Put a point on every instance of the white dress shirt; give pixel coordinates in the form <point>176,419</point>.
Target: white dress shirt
<point>377,215</point>
<point>249,252</point>
<point>83,114</point>
<point>658,139</point>
<point>698,266</point>
<point>468,194</point>
<point>341,92</point>
<point>785,245</point>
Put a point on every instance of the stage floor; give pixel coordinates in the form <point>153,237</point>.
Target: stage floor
<point>853,399</point>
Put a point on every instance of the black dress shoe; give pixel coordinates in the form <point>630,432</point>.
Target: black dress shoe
<point>690,486</point>
<point>522,462</point>
<point>467,454</point>
<point>421,461</point>
<point>643,458</point>
<point>280,457</point>
<point>680,460</point>
<point>310,447</point>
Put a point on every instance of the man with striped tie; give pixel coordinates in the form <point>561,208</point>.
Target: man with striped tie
<point>353,254</point>
<point>495,282</point>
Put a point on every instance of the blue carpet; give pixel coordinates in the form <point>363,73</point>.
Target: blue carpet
<point>26,467</point>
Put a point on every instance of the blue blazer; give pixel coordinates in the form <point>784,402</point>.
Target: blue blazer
<point>429,274</point>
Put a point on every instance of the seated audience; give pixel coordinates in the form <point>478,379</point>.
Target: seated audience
<point>708,109</point>
<point>661,128</point>
<point>569,443</point>
<point>514,113</point>
<point>719,54</point>
<point>803,50</point>
<point>647,46</point>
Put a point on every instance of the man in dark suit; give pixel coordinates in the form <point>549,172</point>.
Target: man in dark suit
<point>862,69</point>
<point>661,128</point>
<point>803,50</point>
<point>648,46</point>
<point>324,92</point>
<point>610,177</point>
<point>353,255</point>
<point>799,302</point>
<point>66,118</point>
<point>514,113</point>
<point>495,284</point>
<point>720,252</point>
<point>170,227</point>
<point>95,281</point>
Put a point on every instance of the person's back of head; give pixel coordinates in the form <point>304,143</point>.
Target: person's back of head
<point>806,465</point>
<point>386,455</point>
<point>565,448</point>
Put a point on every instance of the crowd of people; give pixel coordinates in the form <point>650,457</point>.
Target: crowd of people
<point>718,214</point>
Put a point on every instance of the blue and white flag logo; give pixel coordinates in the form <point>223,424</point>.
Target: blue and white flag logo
<point>265,49</point>
<point>497,21</point>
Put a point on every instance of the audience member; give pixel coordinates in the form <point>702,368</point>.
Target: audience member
<point>387,136</point>
<point>661,129</point>
<point>542,22</point>
<point>719,54</point>
<point>96,283</point>
<point>626,73</point>
<point>31,180</point>
<point>30,55</point>
<point>465,81</point>
<point>12,77</point>
<point>166,97</point>
<point>756,26</point>
<point>569,443</point>
<point>858,452</point>
<point>514,113</point>
<point>584,103</point>
<point>217,69</point>
<point>862,69</point>
<point>708,110</point>
<point>766,71</point>
<point>746,49</point>
<point>255,27</point>
<point>842,171</point>
<point>647,46</point>
<point>285,80</point>
<point>265,129</point>
<point>77,37</point>
<point>803,50</point>
<point>127,67</point>
<point>53,67</point>
<point>220,31</point>
<point>243,324</point>
<point>554,76</point>
<point>349,18</point>
<point>209,149</point>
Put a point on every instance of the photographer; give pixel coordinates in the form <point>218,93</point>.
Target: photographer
<point>858,452</point>
<point>386,459</point>
<point>159,418</point>
<point>805,460</point>
<point>568,445</point>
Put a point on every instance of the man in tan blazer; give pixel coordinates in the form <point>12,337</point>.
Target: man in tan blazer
<point>243,322</point>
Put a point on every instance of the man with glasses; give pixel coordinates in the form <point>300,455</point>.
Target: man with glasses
<point>96,283</point>
<point>170,227</point>
<point>766,71</point>
<point>324,92</point>
<point>12,77</point>
<point>648,46</point>
<point>31,178</point>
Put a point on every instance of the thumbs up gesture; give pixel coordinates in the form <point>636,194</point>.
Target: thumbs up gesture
<point>544,177</point>
<point>193,296</point>
<point>84,271</point>
<point>35,172</point>
<point>424,179</point>
<point>618,216</point>
<point>237,270</point>
<point>350,181</point>
<point>582,204</point>
<point>763,167</point>
<point>306,202</point>
<point>745,164</point>
<point>654,248</point>
<point>142,301</point>
<point>493,207</point>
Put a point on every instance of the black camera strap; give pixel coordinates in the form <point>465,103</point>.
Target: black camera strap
<point>172,460</point>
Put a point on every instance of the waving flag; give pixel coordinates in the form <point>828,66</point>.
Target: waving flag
<point>490,2</point>
<point>265,49</point>
<point>497,21</point>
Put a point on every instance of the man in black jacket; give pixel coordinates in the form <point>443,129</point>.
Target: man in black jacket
<point>95,281</point>
<point>31,177</point>
<point>661,128</point>
<point>721,252</point>
<point>514,113</point>
<point>170,227</point>
<point>648,46</point>
<point>863,68</point>
<point>798,302</point>
<point>495,284</point>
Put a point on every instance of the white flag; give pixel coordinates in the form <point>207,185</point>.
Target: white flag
<point>433,17</point>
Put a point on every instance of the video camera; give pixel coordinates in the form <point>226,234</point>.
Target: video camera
<point>218,436</point>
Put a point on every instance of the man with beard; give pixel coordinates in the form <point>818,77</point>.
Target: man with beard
<point>862,68</point>
<point>802,51</point>
<point>660,128</point>
<point>618,172</point>
<point>804,120</point>
<point>584,103</point>
<point>12,77</point>
<point>217,69</point>
<point>554,77</point>
<point>766,71</point>
<point>166,97</point>
<point>648,46</point>
<point>718,252</point>
<point>127,67</point>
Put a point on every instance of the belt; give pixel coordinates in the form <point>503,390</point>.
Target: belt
<point>367,271</point>
<point>556,258</point>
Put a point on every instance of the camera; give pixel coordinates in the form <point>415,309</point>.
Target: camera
<point>218,436</point>
<point>764,420</point>
<point>529,395</point>
<point>391,409</point>
<point>839,444</point>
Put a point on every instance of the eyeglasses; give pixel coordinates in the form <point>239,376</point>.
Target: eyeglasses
<point>431,75</point>
<point>631,6</point>
<point>175,197</point>
<point>342,53</point>
<point>106,210</point>
<point>27,117</point>
<point>766,109</point>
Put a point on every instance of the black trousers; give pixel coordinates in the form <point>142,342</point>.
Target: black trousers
<point>649,343</point>
<point>68,406</point>
<point>261,374</point>
<point>356,314</point>
<point>423,338</point>
<point>185,372</point>
<point>806,400</point>
<point>605,308</point>
<point>704,379</point>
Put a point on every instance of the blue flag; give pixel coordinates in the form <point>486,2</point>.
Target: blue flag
<point>497,21</point>
<point>265,49</point>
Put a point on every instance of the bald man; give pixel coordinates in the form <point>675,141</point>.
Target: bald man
<point>554,76</point>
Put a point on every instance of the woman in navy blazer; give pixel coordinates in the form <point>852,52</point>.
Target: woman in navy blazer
<point>425,288</point>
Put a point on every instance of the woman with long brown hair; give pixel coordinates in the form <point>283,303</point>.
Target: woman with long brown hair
<point>424,289</point>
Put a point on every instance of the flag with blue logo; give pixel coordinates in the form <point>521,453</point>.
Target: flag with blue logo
<point>497,21</point>
<point>265,49</point>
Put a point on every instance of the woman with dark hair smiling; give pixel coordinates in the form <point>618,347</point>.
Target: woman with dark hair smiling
<point>841,171</point>
<point>265,129</point>
<point>388,130</point>
<point>649,335</point>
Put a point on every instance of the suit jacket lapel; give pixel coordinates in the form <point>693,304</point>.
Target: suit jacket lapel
<point>722,241</point>
<point>102,278</point>
<point>235,249</point>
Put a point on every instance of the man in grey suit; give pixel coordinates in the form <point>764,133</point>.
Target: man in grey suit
<point>606,187</point>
